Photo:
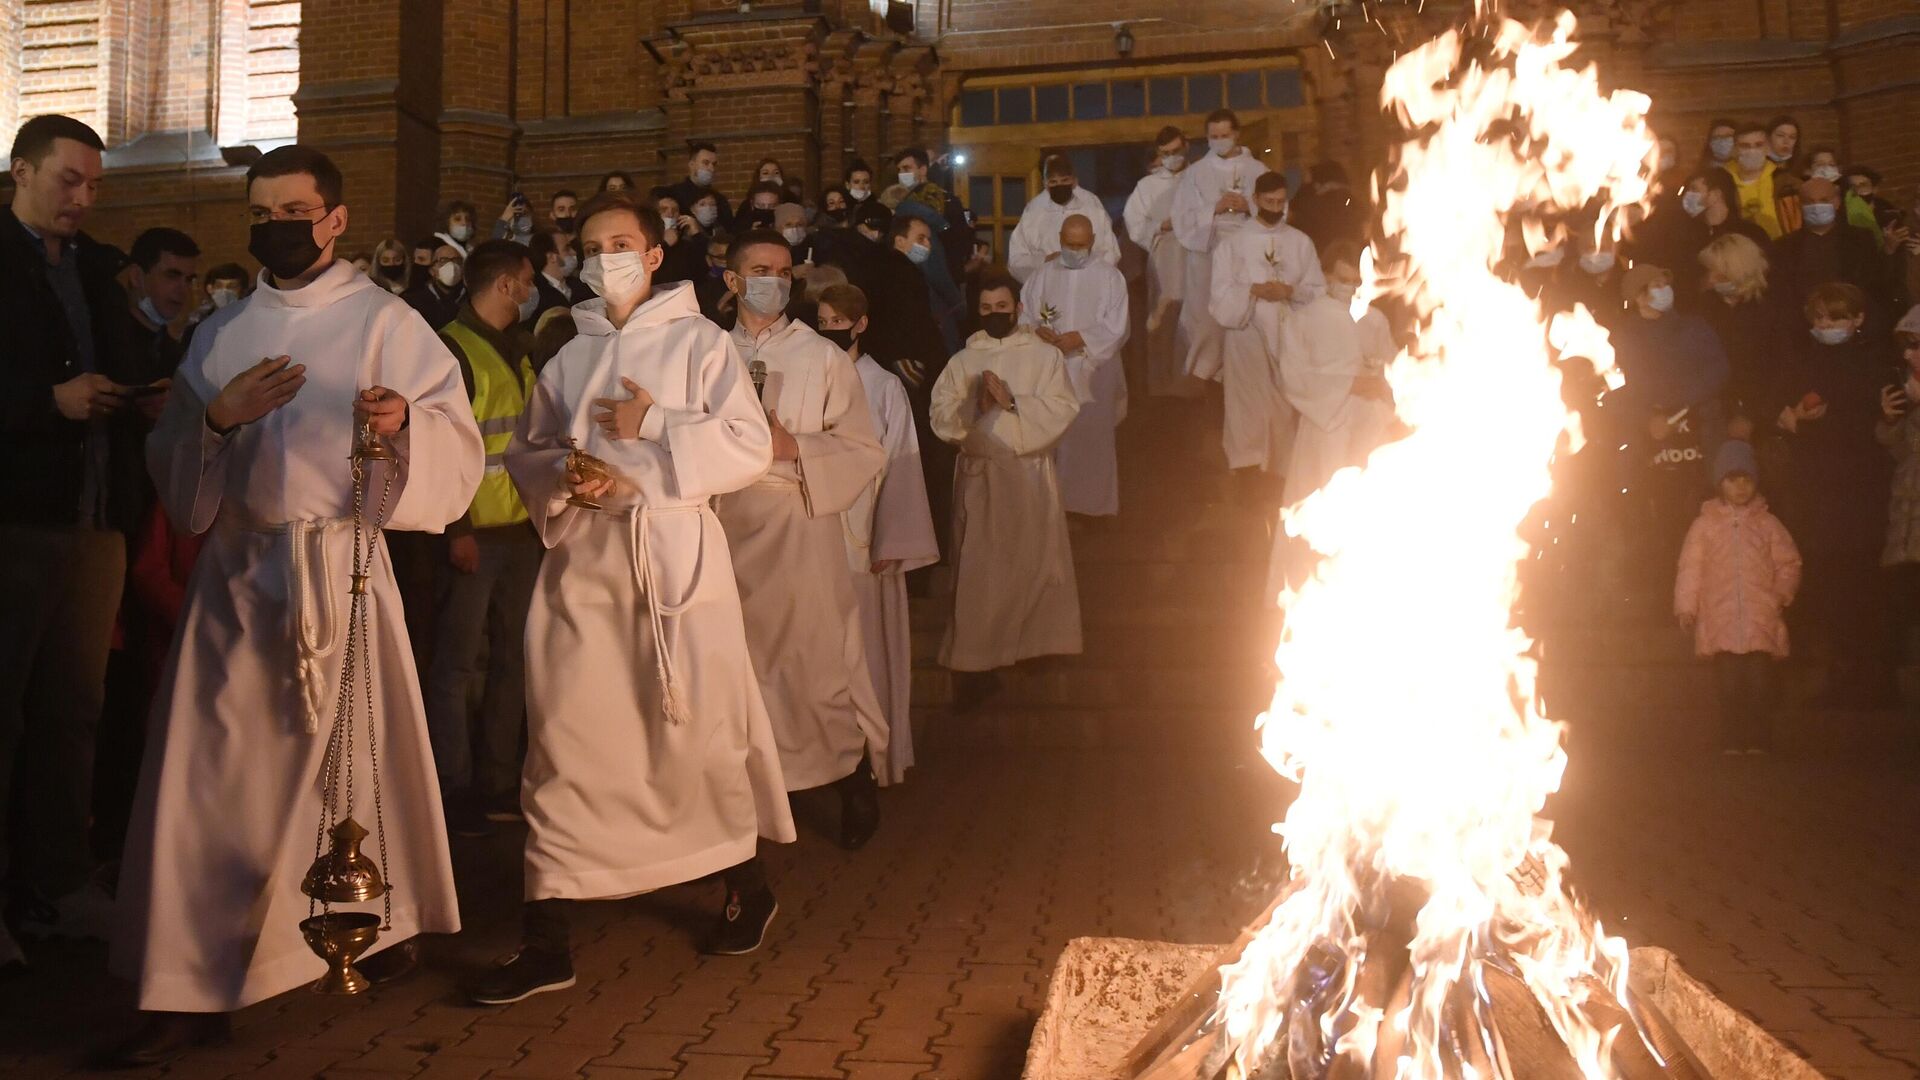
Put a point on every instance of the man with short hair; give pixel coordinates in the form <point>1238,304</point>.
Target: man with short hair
<point>803,622</point>
<point>1005,401</point>
<point>1149,220</point>
<point>702,161</point>
<point>650,761</point>
<point>254,454</point>
<point>1212,200</point>
<point>1036,240</point>
<point>1827,247</point>
<point>1753,178</point>
<point>1263,273</point>
<point>165,268</point>
<point>556,284</point>
<point>438,297</point>
<point>952,238</point>
<point>494,554</point>
<point>69,489</point>
<point>561,210</point>
<point>1078,304</point>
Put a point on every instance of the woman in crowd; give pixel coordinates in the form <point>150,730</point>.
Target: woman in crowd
<point>1735,301</point>
<point>390,265</point>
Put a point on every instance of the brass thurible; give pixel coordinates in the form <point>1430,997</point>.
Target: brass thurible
<point>586,467</point>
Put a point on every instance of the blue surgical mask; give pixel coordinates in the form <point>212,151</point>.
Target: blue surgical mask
<point>1693,202</point>
<point>531,305</point>
<point>1832,335</point>
<point>1660,297</point>
<point>1820,215</point>
<point>1597,262</point>
<point>767,295</point>
<point>918,253</point>
<point>1721,147</point>
<point>1074,258</point>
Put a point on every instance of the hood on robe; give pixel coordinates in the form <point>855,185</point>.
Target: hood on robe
<point>336,282</point>
<point>669,302</point>
<point>1020,336</point>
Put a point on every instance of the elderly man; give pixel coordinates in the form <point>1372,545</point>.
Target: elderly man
<point>1036,240</point>
<point>1078,305</point>
<point>1212,201</point>
<point>1827,248</point>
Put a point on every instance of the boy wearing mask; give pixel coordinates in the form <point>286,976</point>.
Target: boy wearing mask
<point>1753,179</point>
<point>1213,199</point>
<point>1036,240</point>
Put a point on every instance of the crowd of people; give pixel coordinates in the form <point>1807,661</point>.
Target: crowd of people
<point>666,468</point>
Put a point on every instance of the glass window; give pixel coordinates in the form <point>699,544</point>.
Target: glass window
<point>1243,90</point>
<point>980,194</point>
<point>1090,101</point>
<point>1013,195</point>
<point>976,108</point>
<point>1016,105</point>
<point>1203,94</point>
<point>1166,97</point>
<point>1129,98</point>
<point>1284,90</point>
<point>1050,103</point>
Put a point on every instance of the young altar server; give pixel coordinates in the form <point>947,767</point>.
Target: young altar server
<point>1212,200</point>
<point>1036,240</point>
<point>889,529</point>
<point>1078,305</point>
<point>1149,220</point>
<point>650,760</point>
<point>254,454</point>
<point>1264,273</point>
<point>1005,401</point>
<point>803,622</point>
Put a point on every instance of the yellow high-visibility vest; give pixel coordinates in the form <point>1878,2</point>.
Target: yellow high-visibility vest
<point>499,397</point>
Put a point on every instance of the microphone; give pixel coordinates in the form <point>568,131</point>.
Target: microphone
<point>757,371</point>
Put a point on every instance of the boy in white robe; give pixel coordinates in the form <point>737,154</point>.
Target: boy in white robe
<point>650,760</point>
<point>1005,401</point>
<point>803,622</point>
<point>1212,201</point>
<point>1079,306</point>
<point>889,529</point>
<point>254,454</point>
<point>1263,273</point>
<point>1149,220</point>
<point>1036,240</point>
<point>1331,372</point>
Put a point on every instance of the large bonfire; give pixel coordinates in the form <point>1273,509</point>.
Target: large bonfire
<point>1423,879</point>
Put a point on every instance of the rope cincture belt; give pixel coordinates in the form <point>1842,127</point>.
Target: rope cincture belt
<point>639,519</point>
<point>309,598</point>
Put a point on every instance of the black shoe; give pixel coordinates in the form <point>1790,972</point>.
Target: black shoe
<point>464,816</point>
<point>389,965</point>
<point>743,923</point>
<point>504,806</point>
<point>859,807</point>
<point>520,976</point>
<point>164,1036</point>
<point>971,689</point>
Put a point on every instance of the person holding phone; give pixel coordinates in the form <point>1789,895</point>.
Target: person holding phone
<point>516,221</point>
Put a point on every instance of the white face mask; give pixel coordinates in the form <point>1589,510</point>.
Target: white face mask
<point>1820,215</point>
<point>222,297</point>
<point>795,234</point>
<point>152,313</point>
<point>1832,335</point>
<point>909,178</point>
<point>1826,172</point>
<point>461,232</point>
<point>1547,259</point>
<point>702,177</point>
<point>1173,162</point>
<point>1694,203</point>
<point>1341,291</point>
<point>1222,144</point>
<point>1752,160</point>
<point>569,265</point>
<point>618,276</point>
<point>918,253</point>
<point>1725,288</point>
<point>1721,147</point>
<point>1597,262</point>
<point>767,295</point>
<point>530,305</point>
<point>1075,258</point>
<point>706,215</point>
<point>858,194</point>
<point>1660,297</point>
<point>448,275</point>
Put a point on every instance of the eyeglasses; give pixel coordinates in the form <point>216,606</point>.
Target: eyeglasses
<point>259,215</point>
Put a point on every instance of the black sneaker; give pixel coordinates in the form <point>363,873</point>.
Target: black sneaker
<point>520,976</point>
<point>859,807</point>
<point>504,806</point>
<point>392,964</point>
<point>464,816</point>
<point>743,923</point>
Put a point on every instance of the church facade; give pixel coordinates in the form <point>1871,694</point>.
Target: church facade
<point>424,101</point>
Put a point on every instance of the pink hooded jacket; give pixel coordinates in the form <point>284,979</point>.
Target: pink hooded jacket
<point>1738,571</point>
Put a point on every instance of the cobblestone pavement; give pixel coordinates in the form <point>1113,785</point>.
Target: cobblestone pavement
<point>1789,885</point>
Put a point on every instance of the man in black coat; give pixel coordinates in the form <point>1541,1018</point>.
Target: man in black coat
<point>702,160</point>
<point>1828,249</point>
<point>438,298</point>
<point>73,391</point>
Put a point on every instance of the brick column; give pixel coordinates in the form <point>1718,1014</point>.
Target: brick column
<point>477,129</point>
<point>747,84</point>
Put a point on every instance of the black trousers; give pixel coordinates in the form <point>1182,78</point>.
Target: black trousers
<point>61,588</point>
<point>1745,684</point>
<point>547,924</point>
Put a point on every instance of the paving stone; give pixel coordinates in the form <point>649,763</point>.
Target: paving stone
<point>719,1067</point>
<point>794,1058</point>
<point>637,1050</point>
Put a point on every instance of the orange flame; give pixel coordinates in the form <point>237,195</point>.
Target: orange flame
<point>1406,708</point>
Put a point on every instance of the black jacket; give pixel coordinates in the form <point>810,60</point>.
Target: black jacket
<point>43,454</point>
<point>436,307</point>
<point>686,193</point>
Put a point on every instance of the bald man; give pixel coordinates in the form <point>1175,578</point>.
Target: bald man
<point>1078,304</point>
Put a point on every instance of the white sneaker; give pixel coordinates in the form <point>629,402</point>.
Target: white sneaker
<point>10,953</point>
<point>86,912</point>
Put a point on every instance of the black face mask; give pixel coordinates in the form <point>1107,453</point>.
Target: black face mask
<point>285,248</point>
<point>998,324</point>
<point>1062,194</point>
<point>1269,218</point>
<point>393,272</point>
<point>841,338</point>
<point>563,224</point>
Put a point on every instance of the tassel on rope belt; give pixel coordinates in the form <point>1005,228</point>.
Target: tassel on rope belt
<point>309,597</point>
<point>639,519</point>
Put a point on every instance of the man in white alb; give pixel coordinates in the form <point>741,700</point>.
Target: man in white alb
<point>1036,240</point>
<point>1213,199</point>
<point>1149,220</point>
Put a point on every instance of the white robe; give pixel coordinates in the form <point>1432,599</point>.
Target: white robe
<point>1038,234</point>
<point>1148,209</point>
<point>1093,301</point>
<point>789,555</point>
<point>635,602</point>
<point>1322,349</point>
<point>229,797</point>
<point>1200,231</point>
<point>1014,594</point>
<point>1259,423</point>
<point>890,522</point>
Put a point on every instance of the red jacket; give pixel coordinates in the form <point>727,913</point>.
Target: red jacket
<point>1738,571</point>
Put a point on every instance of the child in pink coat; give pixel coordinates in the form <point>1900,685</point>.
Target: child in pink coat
<point>1738,572</point>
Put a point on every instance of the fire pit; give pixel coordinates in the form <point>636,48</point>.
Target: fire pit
<point>1108,993</point>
